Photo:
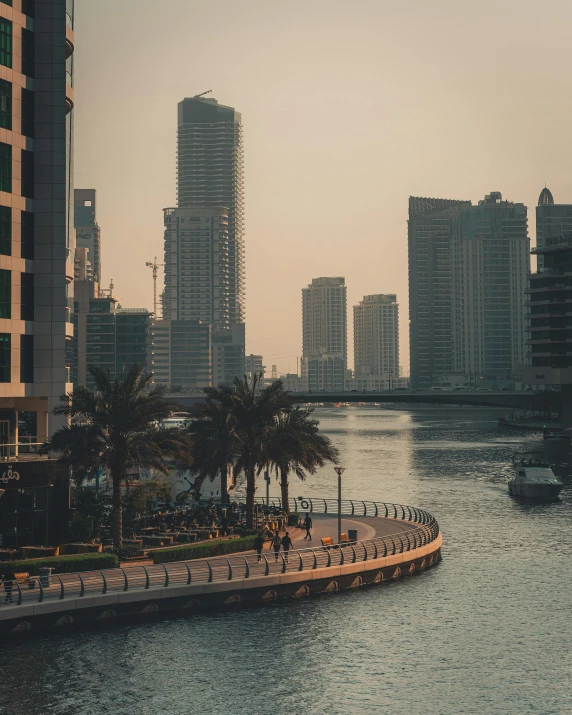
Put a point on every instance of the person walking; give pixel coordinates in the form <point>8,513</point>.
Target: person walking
<point>308,525</point>
<point>276,543</point>
<point>286,545</point>
<point>258,544</point>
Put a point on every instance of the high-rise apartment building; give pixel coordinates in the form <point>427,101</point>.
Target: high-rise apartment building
<point>376,336</point>
<point>490,251</point>
<point>210,175</point>
<point>204,236</point>
<point>430,287</point>
<point>88,233</point>
<point>183,353</point>
<point>552,221</point>
<point>36,260</point>
<point>197,266</point>
<point>254,365</point>
<point>324,333</point>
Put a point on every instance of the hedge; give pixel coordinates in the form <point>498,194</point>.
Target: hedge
<point>61,564</point>
<point>204,550</point>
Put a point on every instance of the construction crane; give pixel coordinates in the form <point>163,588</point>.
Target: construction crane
<point>198,96</point>
<point>154,265</point>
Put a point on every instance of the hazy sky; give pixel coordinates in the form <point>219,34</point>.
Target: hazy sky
<point>348,108</point>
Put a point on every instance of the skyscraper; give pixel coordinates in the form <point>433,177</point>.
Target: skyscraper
<point>204,236</point>
<point>430,287</point>
<point>88,233</point>
<point>376,336</point>
<point>490,258</point>
<point>210,175</point>
<point>197,266</point>
<point>324,333</point>
<point>552,221</point>
<point>36,258</point>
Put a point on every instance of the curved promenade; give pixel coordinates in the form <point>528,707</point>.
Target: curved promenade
<point>400,540</point>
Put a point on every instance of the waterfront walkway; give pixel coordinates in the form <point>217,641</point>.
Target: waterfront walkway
<point>392,540</point>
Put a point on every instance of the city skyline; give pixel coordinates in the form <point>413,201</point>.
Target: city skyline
<point>296,110</point>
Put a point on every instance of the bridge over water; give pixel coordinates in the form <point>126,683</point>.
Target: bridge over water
<point>525,400</point>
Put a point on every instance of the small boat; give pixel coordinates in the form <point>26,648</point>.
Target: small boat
<point>534,479</point>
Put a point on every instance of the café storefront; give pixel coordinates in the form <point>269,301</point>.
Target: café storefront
<point>35,505</point>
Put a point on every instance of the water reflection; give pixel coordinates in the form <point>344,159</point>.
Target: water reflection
<point>482,633</point>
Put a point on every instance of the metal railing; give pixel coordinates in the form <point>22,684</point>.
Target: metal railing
<point>421,529</point>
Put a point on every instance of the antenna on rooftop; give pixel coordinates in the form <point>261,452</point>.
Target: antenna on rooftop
<point>198,96</point>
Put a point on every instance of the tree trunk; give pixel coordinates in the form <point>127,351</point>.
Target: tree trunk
<point>284,491</point>
<point>117,513</point>
<point>224,498</point>
<point>250,489</point>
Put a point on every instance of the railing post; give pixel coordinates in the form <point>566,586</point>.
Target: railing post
<point>126,584</point>
<point>386,510</point>
<point>315,564</point>
<point>62,590</point>
<point>210,570</point>
<point>311,506</point>
<point>401,542</point>
<point>364,509</point>
<point>341,555</point>
<point>376,509</point>
<point>354,553</point>
<point>394,545</point>
<point>408,541</point>
<point>267,570</point>
<point>325,507</point>
<point>166,575</point>
<point>147,579</point>
<point>353,509</point>
<point>19,603</point>
<point>189,575</point>
<point>247,570</point>
<point>375,549</point>
<point>329,557</point>
<point>395,510</point>
<point>82,586</point>
<point>301,561</point>
<point>284,562</point>
<point>229,570</point>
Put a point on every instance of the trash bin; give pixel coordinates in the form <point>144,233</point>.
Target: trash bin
<point>352,534</point>
<point>45,577</point>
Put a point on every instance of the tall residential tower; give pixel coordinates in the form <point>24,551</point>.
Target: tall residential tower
<point>324,333</point>
<point>552,221</point>
<point>376,336</point>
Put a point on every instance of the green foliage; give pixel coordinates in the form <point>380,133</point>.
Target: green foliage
<point>293,519</point>
<point>204,550</point>
<point>61,564</point>
<point>90,511</point>
<point>140,501</point>
<point>127,551</point>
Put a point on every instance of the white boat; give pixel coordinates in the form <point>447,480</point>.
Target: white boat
<point>534,479</point>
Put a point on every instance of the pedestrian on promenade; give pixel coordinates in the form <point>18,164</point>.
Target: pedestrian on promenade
<point>308,525</point>
<point>286,545</point>
<point>258,544</point>
<point>276,543</point>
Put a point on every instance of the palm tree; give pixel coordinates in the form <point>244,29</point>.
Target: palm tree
<point>214,437</point>
<point>233,431</point>
<point>115,427</point>
<point>296,445</point>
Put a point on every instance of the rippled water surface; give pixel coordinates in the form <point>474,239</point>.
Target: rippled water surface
<point>488,631</point>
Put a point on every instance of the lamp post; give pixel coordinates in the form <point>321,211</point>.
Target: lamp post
<point>339,471</point>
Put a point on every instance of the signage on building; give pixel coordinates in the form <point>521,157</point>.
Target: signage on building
<point>35,473</point>
<point>9,474</point>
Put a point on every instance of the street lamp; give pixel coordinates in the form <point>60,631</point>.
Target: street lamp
<point>339,471</point>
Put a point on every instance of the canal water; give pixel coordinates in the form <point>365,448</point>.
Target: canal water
<point>487,631</point>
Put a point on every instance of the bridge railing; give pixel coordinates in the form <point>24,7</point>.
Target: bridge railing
<point>422,529</point>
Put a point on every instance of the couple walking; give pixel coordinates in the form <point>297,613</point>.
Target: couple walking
<point>284,542</point>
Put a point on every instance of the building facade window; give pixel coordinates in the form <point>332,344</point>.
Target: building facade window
<point>5,294</point>
<point>5,42</point>
<point>28,53</point>
<point>5,357</point>
<point>5,230</point>
<point>27,296</point>
<point>26,358</point>
<point>28,113</point>
<point>29,7</point>
<point>5,167</point>
<point>27,174</point>
<point>5,104</point>
<point>27,236</point>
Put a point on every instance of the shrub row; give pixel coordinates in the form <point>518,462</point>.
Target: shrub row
<point>61,564</point>
<point>204,550</point>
